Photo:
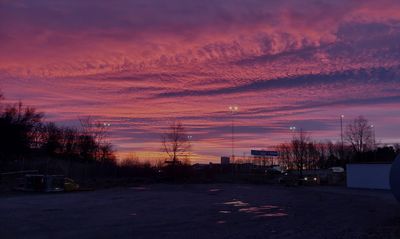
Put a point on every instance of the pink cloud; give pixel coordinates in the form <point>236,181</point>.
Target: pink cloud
<point>140,64</point>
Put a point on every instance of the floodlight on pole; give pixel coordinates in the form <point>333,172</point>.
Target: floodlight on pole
<point>292,130</point>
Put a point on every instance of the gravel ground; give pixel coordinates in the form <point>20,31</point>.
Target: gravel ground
<point>203,211</point>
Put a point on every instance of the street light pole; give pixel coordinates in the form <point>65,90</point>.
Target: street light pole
<point>233,109</point>
<point>341,135</point>
<point>373,140</point>
<point>373,135</point>
<point>190,145</point>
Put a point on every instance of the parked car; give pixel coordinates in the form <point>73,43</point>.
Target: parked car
<point>310,180</point>
<point>46,183</point>
<point>290,178</point>
<point>293,178</point>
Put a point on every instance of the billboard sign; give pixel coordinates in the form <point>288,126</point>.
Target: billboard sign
<point>264,153</point>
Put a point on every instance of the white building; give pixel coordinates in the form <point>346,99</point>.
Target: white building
<point>369,175</point>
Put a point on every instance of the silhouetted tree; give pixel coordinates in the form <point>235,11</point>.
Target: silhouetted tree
<point>300,148</point>
<point>94,140</point>
<point>175,143</point>
<point>385,154</point>
<point>285,155</point>
<point>320,149</point>
<point>17,126</point>
<point>70,143</point>
<point>334,154</point>
<point>23,134</point>
<point>52,139</point>
<point>87,147</point>
<point>303,153</point>
<point>396,148</point>
<point>359,135</point>
<point>131,160</point>
<point>313,156</point>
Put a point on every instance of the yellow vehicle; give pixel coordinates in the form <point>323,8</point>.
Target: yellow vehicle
<point>70,185</point>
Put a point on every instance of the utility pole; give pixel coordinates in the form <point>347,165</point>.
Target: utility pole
<point>373,136</point>
<point>190,147</point>
<point>341,137</point>
<point>233,109</point>
<point>373,141</point>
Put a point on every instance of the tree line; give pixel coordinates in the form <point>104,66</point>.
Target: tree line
<point>24,133</point>
<point>359,145</point>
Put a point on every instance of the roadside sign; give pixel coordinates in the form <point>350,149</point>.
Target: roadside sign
<point>264,153</point>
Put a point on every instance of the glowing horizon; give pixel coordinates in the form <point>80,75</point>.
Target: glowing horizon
<point>140,64</point>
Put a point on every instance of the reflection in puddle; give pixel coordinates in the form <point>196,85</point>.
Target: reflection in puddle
<point>132,214</point>
<point>221,222</point>
<point>236,203</point>
<point>260,209</point>
<point>214,190</point>
<point>270,207</point>
<point>258,212</point>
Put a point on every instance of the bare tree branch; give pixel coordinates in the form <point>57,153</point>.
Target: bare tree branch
<point>175,142</point>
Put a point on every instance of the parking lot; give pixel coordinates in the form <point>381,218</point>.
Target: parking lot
<point>202,211</point>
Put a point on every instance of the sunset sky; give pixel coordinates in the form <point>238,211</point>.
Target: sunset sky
<point>141,64</point>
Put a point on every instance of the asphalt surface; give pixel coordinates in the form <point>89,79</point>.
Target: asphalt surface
<point>202,211</point>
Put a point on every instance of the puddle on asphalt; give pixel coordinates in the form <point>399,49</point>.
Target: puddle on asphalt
<point>250,210</point>
<point>221,222</point>
<point>256,211</point>
<point>278,214</point>
<point>214,190</point>
<point>236,203</point>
